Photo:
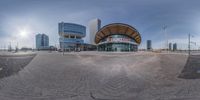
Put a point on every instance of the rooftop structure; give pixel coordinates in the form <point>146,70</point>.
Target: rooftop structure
<point>117,37</point>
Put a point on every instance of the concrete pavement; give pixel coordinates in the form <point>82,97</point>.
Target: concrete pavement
<point>101,76</point>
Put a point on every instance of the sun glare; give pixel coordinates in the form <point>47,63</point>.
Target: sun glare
<point>23,33</point>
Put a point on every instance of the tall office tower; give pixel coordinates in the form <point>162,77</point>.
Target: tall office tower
<point>42,41</point>
<point>174,47</point>
<point>71,35</point>
<point>170,46</point>
<point>149,46</point>
<point>94,26</point>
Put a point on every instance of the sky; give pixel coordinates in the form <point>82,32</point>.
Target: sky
<point>181,17</point>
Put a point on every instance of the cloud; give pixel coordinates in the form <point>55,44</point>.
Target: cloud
<point>148,17</point>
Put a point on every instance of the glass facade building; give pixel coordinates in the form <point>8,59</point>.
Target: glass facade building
<point>174,47</point>
<point>42,41</point>
<point>149,46</point>
<point>117,43</point>
<point>117,37</point>
<point>71,35</point>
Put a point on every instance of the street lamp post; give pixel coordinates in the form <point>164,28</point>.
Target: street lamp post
<point>189,42</point>
<point>10,47</point>
<point>63,48</point>
<point>165,33</point>
<point>34,37</point>
<point>4,47</point>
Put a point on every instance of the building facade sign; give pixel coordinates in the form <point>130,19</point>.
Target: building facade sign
<point>110,39</point>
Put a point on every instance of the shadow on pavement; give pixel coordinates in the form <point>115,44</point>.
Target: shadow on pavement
<point>192,68</point>
<point>10,65</point>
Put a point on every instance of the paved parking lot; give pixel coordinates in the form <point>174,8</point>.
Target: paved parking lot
<point>101,76</point>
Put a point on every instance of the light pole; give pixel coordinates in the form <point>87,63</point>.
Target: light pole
<point>4,47</point>
<point>10,48</point>
<point>34,41</point>
<point>62,46</point>
<point>189,42</point>
<point>16,49</point>
<point>165,33</point>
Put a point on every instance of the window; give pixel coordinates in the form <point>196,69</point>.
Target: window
<point>72,37</point>
<point>66,36</point>
<point>78,37</point>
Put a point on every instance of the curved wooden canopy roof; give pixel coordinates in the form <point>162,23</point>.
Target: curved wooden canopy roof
<point>118,28</point>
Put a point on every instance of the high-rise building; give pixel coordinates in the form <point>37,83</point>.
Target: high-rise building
<point>174,47</point>
<point>149,46</point>
<point>42,41</point>
<point>71,35</point>
<point>170,46</point>
<point>94,27</point>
